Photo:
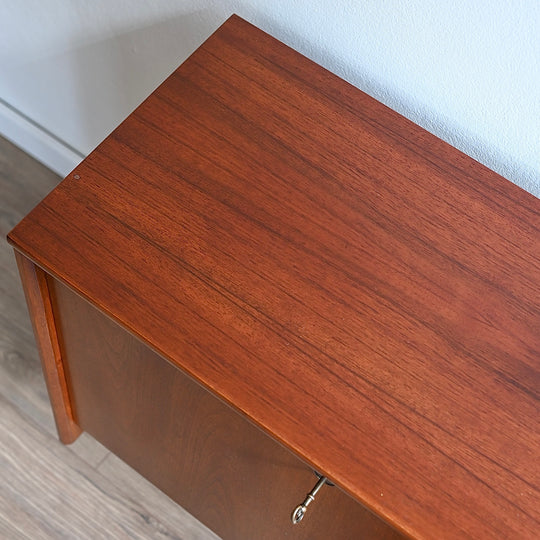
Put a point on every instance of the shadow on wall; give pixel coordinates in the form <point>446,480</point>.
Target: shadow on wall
<point>111,78</point>
<point>82,94</point>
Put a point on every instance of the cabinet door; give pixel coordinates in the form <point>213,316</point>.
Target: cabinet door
<point>206,456</point>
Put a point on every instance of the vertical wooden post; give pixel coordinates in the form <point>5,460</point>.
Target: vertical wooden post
<point>39,304</point>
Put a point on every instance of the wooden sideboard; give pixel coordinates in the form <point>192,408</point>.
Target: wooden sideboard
<point>263,272</point>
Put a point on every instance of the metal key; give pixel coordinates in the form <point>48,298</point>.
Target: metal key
<point>300,510</point>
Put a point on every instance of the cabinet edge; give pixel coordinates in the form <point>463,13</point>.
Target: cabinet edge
<point>36,292</point>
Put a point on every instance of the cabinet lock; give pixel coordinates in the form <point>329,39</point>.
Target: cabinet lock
<point>300,510</point>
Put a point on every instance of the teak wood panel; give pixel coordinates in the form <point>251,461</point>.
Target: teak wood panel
<point>358,288</point>
<point>217,465</point>
<point>38,300</point>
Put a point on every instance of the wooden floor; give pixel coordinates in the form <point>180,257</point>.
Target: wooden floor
<point>48,490</point>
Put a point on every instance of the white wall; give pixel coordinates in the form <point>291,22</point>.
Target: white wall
<point>467,70</point>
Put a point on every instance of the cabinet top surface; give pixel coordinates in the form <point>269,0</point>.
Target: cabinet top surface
<point>358,288</point>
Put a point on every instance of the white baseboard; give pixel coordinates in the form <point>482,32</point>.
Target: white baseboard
<point>37,141</point>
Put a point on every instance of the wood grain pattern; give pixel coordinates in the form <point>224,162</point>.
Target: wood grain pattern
<point>205,456</point>
<point>39,304</point>
<point>361,290</point>
<point>85,474</point>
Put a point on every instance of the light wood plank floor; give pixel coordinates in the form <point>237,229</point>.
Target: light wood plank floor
<point>48,490</point>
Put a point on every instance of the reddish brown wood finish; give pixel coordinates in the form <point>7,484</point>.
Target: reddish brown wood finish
<point>362,291</point>
<point>39,305</point>
<point>204,455</point>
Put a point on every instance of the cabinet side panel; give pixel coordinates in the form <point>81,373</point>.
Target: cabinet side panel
<point>203,454</point>
<point>34,282</point>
